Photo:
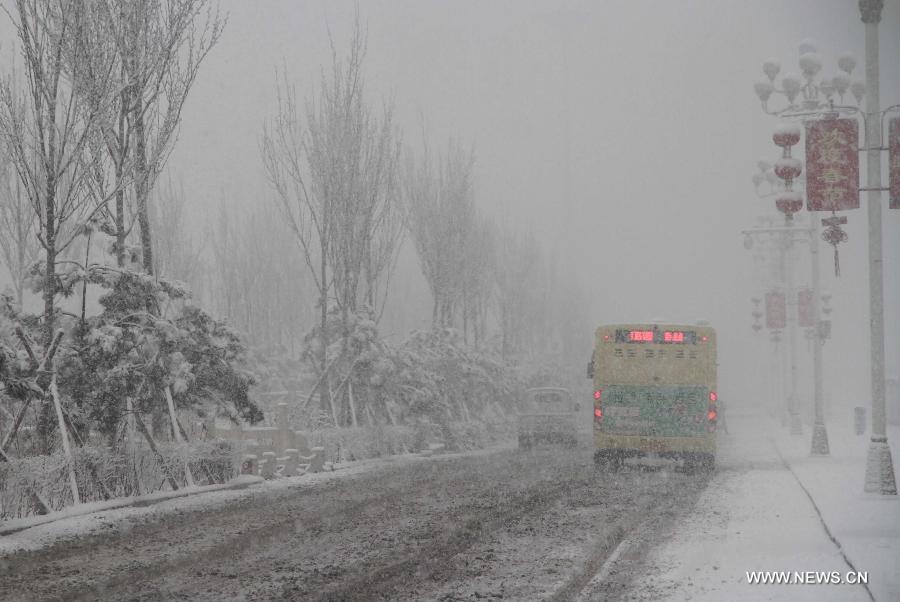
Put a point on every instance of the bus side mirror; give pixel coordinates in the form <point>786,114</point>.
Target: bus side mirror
<point>590,369</point>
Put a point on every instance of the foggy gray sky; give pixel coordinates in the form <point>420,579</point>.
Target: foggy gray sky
<point>663,134</point>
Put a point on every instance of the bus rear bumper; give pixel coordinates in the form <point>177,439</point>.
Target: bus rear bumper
<point>635,445</point>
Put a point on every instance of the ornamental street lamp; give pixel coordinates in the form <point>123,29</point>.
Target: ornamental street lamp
<point>879,464</point>
<point>813,98</point>
<point>769,270</point>
<point>785,238</point>
<point>789,202</point>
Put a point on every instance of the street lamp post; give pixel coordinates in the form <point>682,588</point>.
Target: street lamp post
<point>819,445</point>
<point>790,300</point>
<point>879,465</point>
<point>816,101</point>
<point>781,385</point>
<point>786,237</point>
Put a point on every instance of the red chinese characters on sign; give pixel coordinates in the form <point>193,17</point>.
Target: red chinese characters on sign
<point>894,162</point>
<point>776,313</point>
<point>832,165</point>
<point>804,308</point>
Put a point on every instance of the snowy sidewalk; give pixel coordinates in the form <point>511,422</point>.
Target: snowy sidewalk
<point>755,516</point>
<point>866,525</point>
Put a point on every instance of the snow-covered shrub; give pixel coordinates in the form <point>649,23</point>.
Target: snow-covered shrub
<point>478,435</point>
<point>148,337</point>
<point>433,378</point>
<point>362,443</point>
<point>436,375</point>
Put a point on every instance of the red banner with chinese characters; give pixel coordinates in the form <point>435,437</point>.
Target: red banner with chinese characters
<point>776,313</point>
<point>894,162</point>
<point>804,308</point>
<point>832,164</point>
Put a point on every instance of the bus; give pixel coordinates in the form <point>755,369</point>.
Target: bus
<point>654,394</point>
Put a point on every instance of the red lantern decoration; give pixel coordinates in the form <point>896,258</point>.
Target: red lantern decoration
<point>786,135</point>
<point>789,203</point>
<point>788,168</point>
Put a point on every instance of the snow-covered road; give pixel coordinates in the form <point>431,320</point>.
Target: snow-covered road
<point>505,525</point>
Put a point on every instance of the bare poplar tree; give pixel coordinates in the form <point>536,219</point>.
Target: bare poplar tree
<point>47,130</point>
<point>378,206</point>
<point>519,286</point>
<point>18,240</point>
<point>180,255</point>
<point>257,284</point>
<point>442,221</point>
<point>158,46</point>
<point>308,213</point>
<point>477,280</point>
<point>334,171</point>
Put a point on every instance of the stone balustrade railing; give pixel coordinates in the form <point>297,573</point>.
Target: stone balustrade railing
<point>274,450</point>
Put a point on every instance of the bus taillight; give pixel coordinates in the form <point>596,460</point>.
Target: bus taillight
<point>711,415</point>
<point>598,413</point>
<point>598,394</point>
<point>713,397</point>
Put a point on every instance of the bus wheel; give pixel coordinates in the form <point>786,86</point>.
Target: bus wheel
<point>690,463</point>
<point>618,462</point>
<point>607,462</point>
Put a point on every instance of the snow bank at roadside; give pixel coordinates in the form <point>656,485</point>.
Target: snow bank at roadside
<point>97,517</point>
<point>14,526</point>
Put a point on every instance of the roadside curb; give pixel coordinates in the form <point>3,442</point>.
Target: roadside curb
<point>15,526</point>
<point>818,511</point>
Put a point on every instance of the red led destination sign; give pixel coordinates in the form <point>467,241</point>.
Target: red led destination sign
<point>656,336</point>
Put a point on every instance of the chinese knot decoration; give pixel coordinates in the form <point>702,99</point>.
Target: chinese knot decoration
<point>832,174</point>
<point>788,169</point>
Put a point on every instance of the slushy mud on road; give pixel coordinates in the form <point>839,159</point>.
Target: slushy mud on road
<point>508,525</point>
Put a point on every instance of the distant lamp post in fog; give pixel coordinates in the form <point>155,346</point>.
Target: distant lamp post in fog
<point>756,313</point>
<point>789,201</point>
<point>830,182</point>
